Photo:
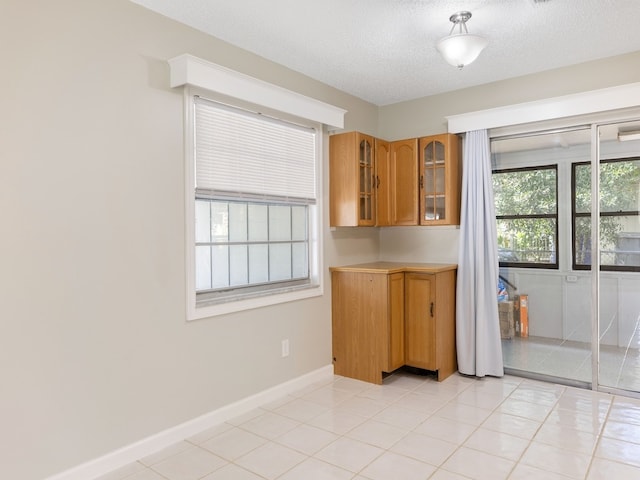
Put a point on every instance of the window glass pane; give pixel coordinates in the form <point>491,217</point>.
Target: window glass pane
<point>238,264</point>
<point>527,240</point>
<point>203,221</point>
<point>299,223</point>
<point>203,268</point>
<point>440,209</point>
<point>258,263</point>
<point>619,186</point>
<point>219,221</point>
<point>258,222</point>
<point>619,241</point>
<point>280,261</point>
<point>429,182</point>
<point>440,180</point>
<point>582,235</point>
<point>279,223</point>
<point>430,208</point>
<point>237,222</point>
<point>300,264</point>
<point>626,251</point>
<point>582,185</point>
<point>525,192</point>
<point>220,265</point>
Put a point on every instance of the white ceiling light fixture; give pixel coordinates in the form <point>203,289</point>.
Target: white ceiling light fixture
<point>462,48</point>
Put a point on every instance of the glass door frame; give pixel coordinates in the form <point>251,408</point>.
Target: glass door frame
<point>596,271</point>
<point>594,122</point>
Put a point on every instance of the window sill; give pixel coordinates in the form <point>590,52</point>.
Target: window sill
<point>208,309</point>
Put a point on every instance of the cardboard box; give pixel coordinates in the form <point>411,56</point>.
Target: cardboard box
<point>507,326</point>
<point>521,314</point>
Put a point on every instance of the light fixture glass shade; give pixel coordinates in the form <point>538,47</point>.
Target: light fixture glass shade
<point>462,49</point>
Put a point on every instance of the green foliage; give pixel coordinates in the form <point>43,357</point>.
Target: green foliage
<point>525,192</point>
<point>532,194</point>
<point>619,182</point>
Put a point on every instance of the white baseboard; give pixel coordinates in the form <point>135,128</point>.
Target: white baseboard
<point>147,446</point>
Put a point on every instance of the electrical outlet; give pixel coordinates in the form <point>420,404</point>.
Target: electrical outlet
<point>285,347</point>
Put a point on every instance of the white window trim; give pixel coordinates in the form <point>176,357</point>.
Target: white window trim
<point>583,103</point>
<point>248,90</point>
<point>189,70</point>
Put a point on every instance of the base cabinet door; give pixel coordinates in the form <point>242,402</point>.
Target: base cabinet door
<point>420,321</point>
<point>368,324</point>
<point>395,324</point>
<point>430,337</point>
<point>385,316</point>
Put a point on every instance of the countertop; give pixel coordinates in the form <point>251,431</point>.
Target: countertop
<point>393,267</point>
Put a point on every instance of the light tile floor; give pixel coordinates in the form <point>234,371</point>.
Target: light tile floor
<point>412,428</point>
<point>619,366</point>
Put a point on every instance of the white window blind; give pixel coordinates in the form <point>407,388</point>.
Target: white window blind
<point>246,154</point>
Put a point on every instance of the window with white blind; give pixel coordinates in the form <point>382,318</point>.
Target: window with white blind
<point>255,206</point>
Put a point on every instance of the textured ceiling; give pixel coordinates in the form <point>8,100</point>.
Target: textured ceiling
<point>383,51</point>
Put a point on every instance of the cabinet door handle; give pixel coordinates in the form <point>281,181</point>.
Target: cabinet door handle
<point>431,309</point>
<point>377,181</point>
<point>421,182</point>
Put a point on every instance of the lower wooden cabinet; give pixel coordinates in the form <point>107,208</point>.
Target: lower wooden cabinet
<point>386,315</point>
<point>368,323</point>
<point>430,322</point>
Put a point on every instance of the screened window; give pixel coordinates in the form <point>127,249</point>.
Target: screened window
<point>619,217</point>
<point>255,193</point>
<point>526,202</point>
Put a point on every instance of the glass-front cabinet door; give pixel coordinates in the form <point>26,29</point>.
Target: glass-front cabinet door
<point>439,180</point>
<point>366,170</point>
<point>352,188</point>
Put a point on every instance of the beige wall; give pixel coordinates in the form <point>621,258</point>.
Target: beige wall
<point>426,116</point>
<point>95,352</point>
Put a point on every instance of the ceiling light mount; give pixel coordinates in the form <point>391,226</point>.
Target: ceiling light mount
<point>461,48</point>
<point>460,19</point>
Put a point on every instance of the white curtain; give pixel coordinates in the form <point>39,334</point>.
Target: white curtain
<point>477,323</point>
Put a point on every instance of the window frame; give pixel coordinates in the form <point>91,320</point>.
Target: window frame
<point>547,266</point>
<point>575,215</point>
<point>202,308</point>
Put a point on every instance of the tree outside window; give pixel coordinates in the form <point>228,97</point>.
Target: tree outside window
<point>526,202</point>
<point>619,218</point>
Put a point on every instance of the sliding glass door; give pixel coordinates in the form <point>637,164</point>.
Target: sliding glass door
<point>549,302</point>
<point>568,200</point>
<point>617,187</point>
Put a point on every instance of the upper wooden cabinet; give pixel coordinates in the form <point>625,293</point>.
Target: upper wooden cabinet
<point>383,183</point>
<point>404,182</point>
<point>373,182</point>
<point>397,182</point>
<point>440,180</point>
<point>352,180</point>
